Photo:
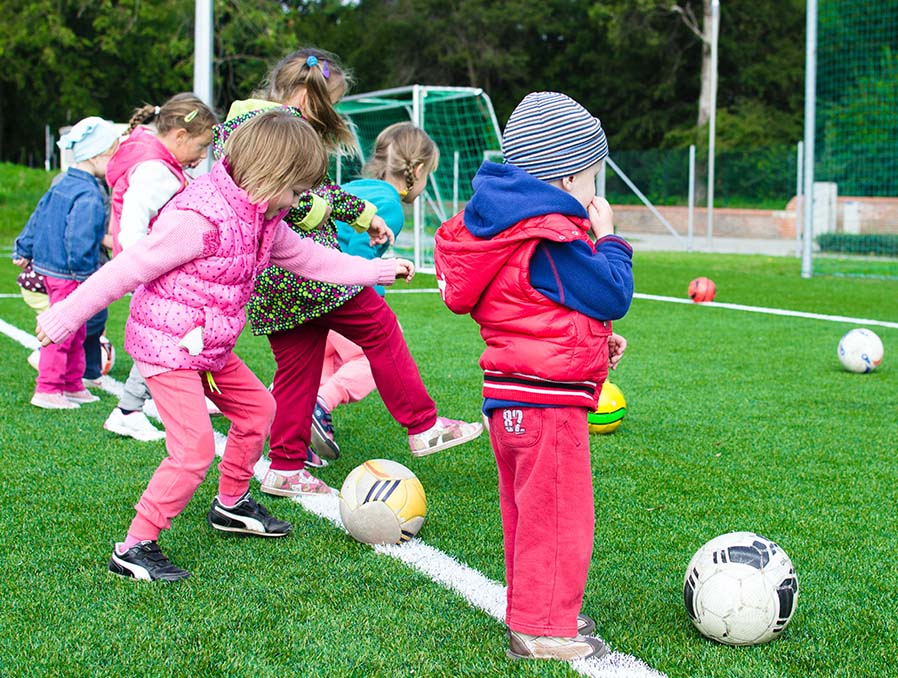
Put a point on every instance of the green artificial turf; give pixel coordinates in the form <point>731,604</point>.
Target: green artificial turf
<point>735,421</point>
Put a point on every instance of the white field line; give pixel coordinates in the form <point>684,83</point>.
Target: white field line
<point>479,591</point>
<point>734,307</point>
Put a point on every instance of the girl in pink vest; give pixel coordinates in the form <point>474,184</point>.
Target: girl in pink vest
<point>192,277</point>
<point>145,173</point>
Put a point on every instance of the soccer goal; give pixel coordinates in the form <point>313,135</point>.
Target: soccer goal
<point>461,121</point>
<point>851,139</point>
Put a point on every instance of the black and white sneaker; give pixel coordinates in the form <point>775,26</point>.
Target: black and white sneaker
<point>146,562</point>
<point>246,517</point>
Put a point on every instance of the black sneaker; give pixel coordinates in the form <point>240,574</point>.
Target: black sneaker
<point>145,561</point>
<point>246,517</point>
<point>323,432</point>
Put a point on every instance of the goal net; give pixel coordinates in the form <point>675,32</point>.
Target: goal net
<point>855,214</point>
<point>463,124</point>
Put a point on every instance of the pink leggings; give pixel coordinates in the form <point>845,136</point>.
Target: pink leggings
<point>548,518</point>
<point>346,374</point>
<point>62,365</point>
<point>190,442</point>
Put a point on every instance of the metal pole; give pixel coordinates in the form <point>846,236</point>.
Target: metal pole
<point>48,147</point>
<point>417,208</point>
<point>799,202</point>
<point>810,116</point>
<point>455,180</point>
<point>691,222</point>
<point>202,61</point>
<point>601,178</point>
<point>712,122</point>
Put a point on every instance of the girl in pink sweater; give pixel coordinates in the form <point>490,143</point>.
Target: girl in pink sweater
<point>192,276</point>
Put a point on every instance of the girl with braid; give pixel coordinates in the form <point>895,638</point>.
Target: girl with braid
<point>144,174</point>
<point>297,313</point>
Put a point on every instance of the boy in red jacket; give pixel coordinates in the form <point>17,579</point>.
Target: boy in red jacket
<point>534,259</point>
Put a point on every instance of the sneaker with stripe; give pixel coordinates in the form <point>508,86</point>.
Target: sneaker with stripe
<point>246,517</point>
<point>145,562</point>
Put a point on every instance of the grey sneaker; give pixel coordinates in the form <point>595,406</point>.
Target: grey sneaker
<point>323,432</point>
<point>525,646</point>
<point>585,625</point>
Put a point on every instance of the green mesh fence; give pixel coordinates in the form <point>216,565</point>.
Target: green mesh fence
<point>461,122</point>
<point>856,136</point>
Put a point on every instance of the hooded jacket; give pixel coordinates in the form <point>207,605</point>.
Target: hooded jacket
<point>520,261</point>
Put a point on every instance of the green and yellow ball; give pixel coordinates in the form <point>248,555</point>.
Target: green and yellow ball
<point>611,410</point>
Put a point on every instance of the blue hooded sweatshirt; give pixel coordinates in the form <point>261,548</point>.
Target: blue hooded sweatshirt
<point>568,273</point>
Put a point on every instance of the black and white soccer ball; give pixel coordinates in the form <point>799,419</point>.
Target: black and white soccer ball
<point>740,589</point>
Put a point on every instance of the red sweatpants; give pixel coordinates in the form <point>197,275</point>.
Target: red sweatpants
<point>548,517</point>
<point>368,321</point>
<point>189,439</point>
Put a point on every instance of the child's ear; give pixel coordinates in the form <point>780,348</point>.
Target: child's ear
<point>567,183</point>
<point>419,169</point>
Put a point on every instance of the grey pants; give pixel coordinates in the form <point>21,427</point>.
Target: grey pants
<point>136,391</point>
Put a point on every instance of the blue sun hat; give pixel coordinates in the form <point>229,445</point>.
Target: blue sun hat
<point>550,136</point>
<point>88,138</point>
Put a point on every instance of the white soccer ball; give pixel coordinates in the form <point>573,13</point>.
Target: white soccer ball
<point>860,350</point>
<point>382,502</point>
<point>740,589</point>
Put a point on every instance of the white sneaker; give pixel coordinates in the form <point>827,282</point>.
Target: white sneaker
<point>134,425</point>
<point>53,401</point>
<point>293,483</point>
<point>34,358</point>
<point>212,408</point>
<point>444,434</point>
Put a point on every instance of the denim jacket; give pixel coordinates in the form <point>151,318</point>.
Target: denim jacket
<point>63,235</point>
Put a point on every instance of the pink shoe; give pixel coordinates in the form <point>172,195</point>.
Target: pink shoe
<point>53,401</point>
<point>293,483</point>
<point>81,397</point>
<point>444,434</point>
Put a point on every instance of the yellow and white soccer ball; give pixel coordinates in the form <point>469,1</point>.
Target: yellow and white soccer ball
<point>382,502</point>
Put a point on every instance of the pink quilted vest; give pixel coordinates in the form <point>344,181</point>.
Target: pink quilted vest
<point>209,292</point>
<point>140,146</point>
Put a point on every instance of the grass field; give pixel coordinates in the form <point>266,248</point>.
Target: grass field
<point>736,421</point>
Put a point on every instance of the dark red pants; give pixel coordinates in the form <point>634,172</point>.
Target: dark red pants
<point>368,321</point>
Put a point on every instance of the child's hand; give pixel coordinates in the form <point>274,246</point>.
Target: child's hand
<point>42,336</point>
<point>601,217</point>
<point>380,232</point>
<point>404,269</point>
<point>327,215</point>
<point>616,347</point>
<point>21,262</point>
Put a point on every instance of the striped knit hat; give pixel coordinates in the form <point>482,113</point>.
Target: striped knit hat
<point>550,136</point>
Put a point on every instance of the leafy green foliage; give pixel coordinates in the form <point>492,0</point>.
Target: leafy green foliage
<point>635,64</point>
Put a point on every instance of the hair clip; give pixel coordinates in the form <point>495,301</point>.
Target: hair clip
<point>190,116</point>
<point>312,60</point>
<point>157,110</point>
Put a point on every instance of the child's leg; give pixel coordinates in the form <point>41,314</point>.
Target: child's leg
<point>245,401</point>
<point>548,518</point>
<point>181,402</point>
<point>62,364</point>
<point>346,377</point>
<point>136,391</point>
<point>93,364</point>
<point>367,321</point>
<point>298,353</point>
